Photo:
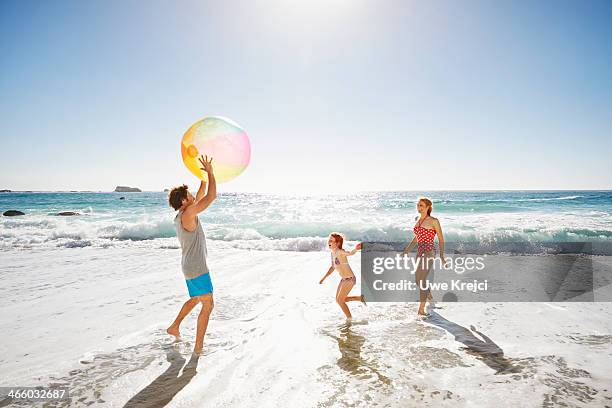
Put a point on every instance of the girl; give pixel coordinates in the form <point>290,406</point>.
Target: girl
<point>425,230</point>
<point>340,263</point>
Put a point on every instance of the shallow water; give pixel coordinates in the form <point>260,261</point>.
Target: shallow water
<point>94,319</point>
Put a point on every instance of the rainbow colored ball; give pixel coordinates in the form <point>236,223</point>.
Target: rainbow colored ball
<point>223,140</point>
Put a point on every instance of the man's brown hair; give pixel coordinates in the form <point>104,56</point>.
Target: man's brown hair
<point>177,195</point>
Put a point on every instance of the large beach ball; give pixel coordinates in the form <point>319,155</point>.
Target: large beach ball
<point>223,140</point>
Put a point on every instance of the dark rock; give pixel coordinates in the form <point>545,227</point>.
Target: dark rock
<point>5,191</point>
<point>12,213</point>
<point>125,189</point>
<point>166,190</point>
<point>122,198</point>
<point>67,213</point>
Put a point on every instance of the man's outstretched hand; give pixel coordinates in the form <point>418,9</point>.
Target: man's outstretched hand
<point>206,164</point>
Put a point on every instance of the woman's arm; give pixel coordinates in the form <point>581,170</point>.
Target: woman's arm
<point>411,245</point>
<point>329,271</point>
<point>440,240</point>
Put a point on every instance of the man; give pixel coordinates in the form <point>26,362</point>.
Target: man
<point>193,245</point>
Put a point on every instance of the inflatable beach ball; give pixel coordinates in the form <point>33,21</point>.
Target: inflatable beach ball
<point>223,140</point>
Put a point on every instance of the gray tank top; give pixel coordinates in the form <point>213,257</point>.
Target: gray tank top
<point>193,245</point>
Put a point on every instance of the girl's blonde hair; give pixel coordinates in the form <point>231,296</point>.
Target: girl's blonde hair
<point>428,203</point>
<point>338,238</point>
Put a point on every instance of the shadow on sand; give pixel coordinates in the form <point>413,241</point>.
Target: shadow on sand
<point>351,361</point>
<point>483,349</point>
<point>161,391</point>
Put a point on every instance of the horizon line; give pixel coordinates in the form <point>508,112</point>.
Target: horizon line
<point>8,191</point>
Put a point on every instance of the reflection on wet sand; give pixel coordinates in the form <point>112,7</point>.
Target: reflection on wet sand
<point>484,350</point>
<point>350,344</point>
<point>161,391</point>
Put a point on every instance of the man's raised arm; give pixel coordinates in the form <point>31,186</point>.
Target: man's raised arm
<point>204,201</point>
<point>201,190</point>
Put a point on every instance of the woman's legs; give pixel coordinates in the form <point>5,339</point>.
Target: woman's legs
<point>343,289</point>
<point>422,270</point>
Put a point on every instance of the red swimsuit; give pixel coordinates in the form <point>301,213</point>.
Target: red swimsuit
<point>425,238</point>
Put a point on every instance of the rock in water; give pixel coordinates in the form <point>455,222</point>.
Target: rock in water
<point>122,198</point>
<point>67,213</point>
<point>5,191</point>
<point>125,189</point>
<point>12,213</point>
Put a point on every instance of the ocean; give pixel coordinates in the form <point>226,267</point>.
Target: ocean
<point>302,223</point>
<point>85,301</point>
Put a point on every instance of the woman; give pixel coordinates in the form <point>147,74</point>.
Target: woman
<point>425,230</point>
<point>340,263</point>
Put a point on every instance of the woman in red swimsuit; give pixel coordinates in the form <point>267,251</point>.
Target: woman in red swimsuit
<point>425,230</point>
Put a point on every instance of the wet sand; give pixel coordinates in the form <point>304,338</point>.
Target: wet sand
<point>94,320</point>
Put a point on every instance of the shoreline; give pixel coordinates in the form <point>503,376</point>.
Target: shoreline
<point>276,336</point>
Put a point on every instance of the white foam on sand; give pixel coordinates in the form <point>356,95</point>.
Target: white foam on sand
<point>94,319</point>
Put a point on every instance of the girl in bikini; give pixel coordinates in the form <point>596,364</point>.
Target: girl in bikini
<point>425,230</point>
<point>340,263</point>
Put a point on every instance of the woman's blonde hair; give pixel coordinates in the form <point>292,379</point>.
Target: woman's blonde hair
<point>338,238</point>
<point>428,203</point>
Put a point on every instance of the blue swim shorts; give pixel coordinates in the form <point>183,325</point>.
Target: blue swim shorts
<point>200,285</point>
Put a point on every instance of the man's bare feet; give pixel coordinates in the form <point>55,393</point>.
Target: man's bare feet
<point>173,331</point>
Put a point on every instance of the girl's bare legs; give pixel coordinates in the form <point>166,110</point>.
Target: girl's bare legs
<point>187,307</point>
<point>343,289</point>
<point>422,270</point>
<point>353,298</point>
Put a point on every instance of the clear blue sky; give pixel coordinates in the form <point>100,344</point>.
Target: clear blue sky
<point>336,96</point>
